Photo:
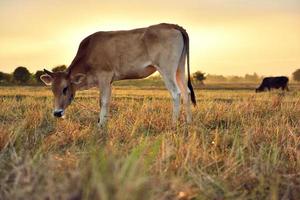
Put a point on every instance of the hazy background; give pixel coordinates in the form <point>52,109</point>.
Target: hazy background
<point>231,37</point>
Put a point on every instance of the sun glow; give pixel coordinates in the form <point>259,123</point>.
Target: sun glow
<point>225,38</point>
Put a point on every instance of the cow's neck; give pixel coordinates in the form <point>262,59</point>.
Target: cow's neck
<point>73,70</point>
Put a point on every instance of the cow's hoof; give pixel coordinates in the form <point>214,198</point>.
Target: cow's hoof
<point>99,125</point>
<point>102,125</point>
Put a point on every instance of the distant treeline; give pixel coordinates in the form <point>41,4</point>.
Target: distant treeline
<point>249,78</point>
<point>200,77</point>
<point>22,76</point>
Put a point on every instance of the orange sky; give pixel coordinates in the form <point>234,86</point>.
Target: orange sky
<point>230,37</point>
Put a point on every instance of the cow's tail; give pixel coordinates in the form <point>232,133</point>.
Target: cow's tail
<point>186,46</point>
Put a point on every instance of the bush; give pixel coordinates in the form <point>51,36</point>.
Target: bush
<point>37,76</point>
<point>199,76</point>
<point>59,68</point>
<point>21,75</point>
<point>296,75</point>
<point>5,78</point>
<point>216,78</point>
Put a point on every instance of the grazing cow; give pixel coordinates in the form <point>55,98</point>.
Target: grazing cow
<point>104,57</point>
<point>274,82</point>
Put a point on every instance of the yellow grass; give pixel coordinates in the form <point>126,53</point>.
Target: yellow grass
<point>241,145</point>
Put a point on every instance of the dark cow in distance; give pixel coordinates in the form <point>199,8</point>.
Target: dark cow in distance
<point>273,82</point>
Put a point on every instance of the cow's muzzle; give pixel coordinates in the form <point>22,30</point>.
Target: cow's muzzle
<point>58,113</point>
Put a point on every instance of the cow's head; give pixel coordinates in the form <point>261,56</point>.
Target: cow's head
<point>63,88</point>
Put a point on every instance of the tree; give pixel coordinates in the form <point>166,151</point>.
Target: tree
<point>252,78</point>
<point>199,76</point>
<point>216,78</point>
<point>21,75</point>
<point>296,75</point>
<point>5,77</point>
<point>236,79</point>
<point>37,76</point>
<point>59,68</point>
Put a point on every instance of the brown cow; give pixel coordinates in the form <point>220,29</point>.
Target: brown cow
<point>104,57</point>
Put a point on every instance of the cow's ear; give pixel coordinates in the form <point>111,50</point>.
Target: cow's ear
<point>78,78</point>
<point>47,79</point>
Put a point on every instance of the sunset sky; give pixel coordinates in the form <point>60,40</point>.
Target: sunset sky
<point>230,37</point>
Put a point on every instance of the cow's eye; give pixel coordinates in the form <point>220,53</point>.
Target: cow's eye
<point>65,90</point>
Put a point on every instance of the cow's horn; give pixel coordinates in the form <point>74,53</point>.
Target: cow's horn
<point>48,72</point>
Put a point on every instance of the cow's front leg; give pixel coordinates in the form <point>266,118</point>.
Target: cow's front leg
<point>105,97</point>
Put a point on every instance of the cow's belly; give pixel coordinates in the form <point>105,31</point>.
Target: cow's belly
<point>135,73</point>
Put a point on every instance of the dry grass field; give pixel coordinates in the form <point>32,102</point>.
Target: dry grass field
<point>241,145</point>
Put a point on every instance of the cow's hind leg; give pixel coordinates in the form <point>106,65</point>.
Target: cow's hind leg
<point>185,91</point>
<point>285,88</point>
<point>171,84</point>
<point>180,77</point>
<point>167,64</point>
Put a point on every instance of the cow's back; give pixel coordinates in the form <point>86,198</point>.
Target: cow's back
<point>120,51</point>
<point>267,82</point>
<point>275,82</point>
<point>280,81</point>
